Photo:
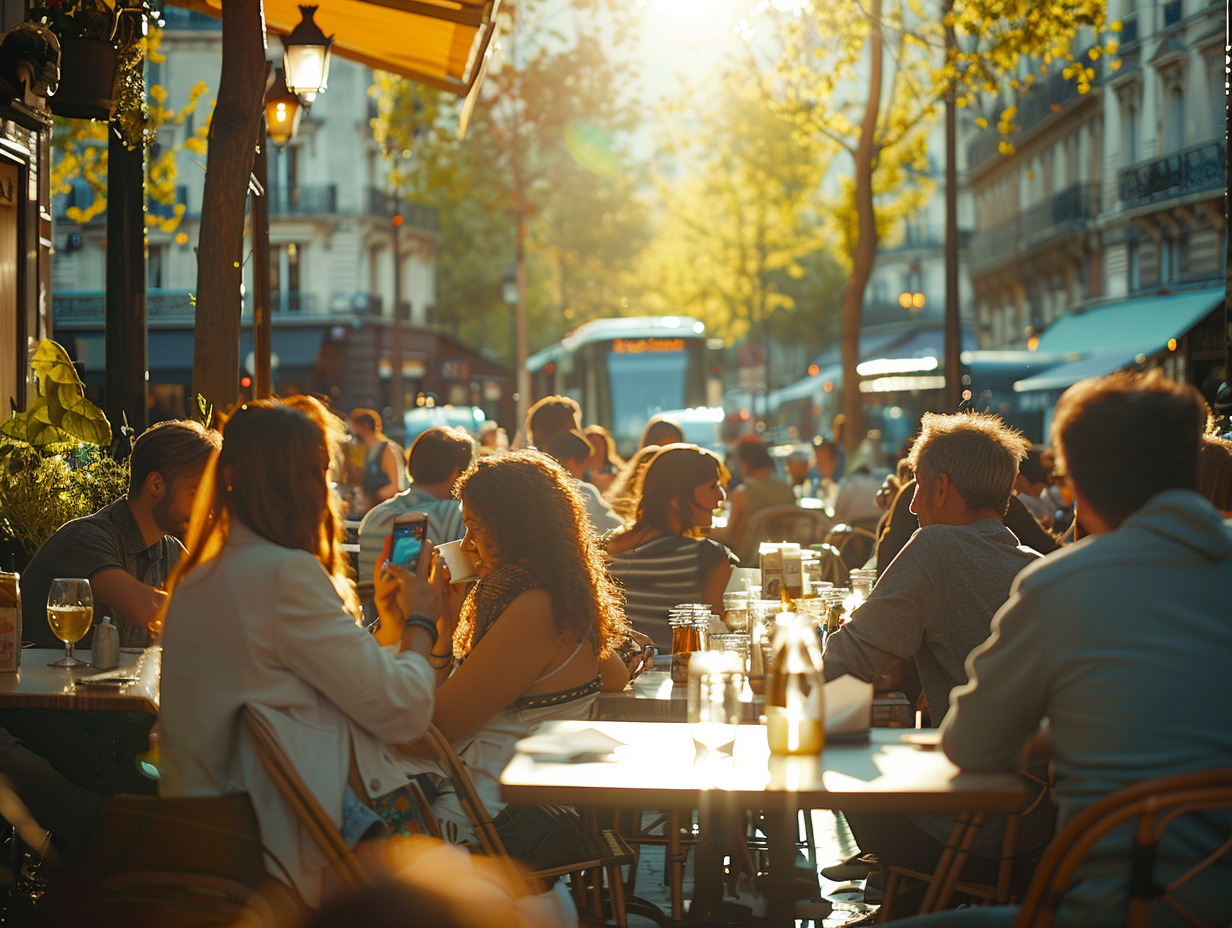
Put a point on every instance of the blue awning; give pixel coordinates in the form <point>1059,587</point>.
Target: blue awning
<point>1119,335</point>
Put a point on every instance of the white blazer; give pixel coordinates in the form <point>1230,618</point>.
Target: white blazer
<point>263,626</point>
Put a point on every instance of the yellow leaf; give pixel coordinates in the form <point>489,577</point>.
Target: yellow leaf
<point>981,122</point>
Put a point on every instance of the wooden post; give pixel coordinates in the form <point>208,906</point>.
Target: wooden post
<point>232,146</point>
<point>124,304</point>
<point>262,382</point>
<point>952,323</point>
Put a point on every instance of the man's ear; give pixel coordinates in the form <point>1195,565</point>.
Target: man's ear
<point>154,485</point>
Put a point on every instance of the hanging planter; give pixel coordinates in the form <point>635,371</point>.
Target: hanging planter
<point>87,79</point>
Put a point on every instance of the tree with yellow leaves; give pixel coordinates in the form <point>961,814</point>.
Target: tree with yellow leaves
<point>859,79</point>
<point>739,222</point>
<point>80,149</point>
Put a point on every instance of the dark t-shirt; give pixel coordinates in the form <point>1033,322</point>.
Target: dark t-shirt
<point>84,547</point>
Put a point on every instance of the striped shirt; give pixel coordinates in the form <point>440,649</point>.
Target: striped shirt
<point>662,573</point>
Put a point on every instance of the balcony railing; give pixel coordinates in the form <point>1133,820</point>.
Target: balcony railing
<point>1063,212</point>
<point>303,200</point>
<point>88,306</point>
<point>415,215</point>
<point>1192,170</point>
<point>1049,96</point>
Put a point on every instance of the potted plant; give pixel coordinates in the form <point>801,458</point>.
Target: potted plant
<point>56,460</point>
<point>85,29</point>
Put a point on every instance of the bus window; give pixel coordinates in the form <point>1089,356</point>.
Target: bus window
<point>642,385</point>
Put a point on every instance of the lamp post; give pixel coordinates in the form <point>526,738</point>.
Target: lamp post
<point>397,386</point>
<point>304,74</point>
<point>509,293</point>
<point>281,120</point>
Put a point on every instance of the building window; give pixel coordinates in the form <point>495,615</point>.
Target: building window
<point>1169,260</point>
<point>294,297</point>
<point>1134,265</point>
<point>154,266</point>
<point>1172,13</point>
<point>1130,130</point>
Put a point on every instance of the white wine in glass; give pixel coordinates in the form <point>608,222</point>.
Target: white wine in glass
<point>70,612</point>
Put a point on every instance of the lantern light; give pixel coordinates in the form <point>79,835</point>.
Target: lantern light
<point>282,111</point>
<point>306,57</point>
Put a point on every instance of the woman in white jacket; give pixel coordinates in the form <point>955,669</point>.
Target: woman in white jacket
<point>262,615</point>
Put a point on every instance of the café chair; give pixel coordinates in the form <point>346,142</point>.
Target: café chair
<point>319,826</point>
<point>1150,808</point>
<point>670,829</point>
<point>1005,887</point>
<point>783,523</point>
<point>855,544</point>
<point>603,853</point>
<point>184,862</point>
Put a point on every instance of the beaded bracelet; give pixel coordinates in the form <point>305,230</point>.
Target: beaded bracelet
<point>419,620</point>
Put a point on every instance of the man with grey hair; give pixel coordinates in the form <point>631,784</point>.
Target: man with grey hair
<point>936,600</point>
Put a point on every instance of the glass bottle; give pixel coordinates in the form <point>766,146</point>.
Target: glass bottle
<point>795,700</point>
<point>686,638</point>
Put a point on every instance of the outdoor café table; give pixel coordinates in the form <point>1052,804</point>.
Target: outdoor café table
<point>37,686</point>
<point>653,698</point>
<point>656,766</point>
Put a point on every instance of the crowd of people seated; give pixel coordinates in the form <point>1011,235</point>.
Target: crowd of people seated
<point>1011,630</point>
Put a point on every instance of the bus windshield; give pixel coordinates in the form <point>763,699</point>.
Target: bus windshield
<point>642,385</point>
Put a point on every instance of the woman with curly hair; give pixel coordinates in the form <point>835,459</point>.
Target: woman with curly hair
<point>663,558</point>
<point>531,641</point>
<point>605,464</point>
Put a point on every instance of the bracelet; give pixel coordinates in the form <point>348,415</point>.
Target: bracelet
<point>441,657</point>
<point>419,620</point>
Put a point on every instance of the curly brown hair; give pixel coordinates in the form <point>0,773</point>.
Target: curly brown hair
<point>535,519</point>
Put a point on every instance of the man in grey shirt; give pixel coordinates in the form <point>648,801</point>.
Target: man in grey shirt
<point>936,600</point>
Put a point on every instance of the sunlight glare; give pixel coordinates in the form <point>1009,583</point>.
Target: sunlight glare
<point>686,8</point>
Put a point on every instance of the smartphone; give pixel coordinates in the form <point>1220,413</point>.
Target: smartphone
<point>407,538</point>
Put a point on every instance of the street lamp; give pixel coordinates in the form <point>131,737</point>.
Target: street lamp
<point>509,287</point>
<point>282,110</point>
<point>306,57</point>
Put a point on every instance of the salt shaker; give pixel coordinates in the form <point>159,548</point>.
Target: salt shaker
<point>105,652</point>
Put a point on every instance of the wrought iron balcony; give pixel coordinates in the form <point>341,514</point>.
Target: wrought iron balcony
<point>1069,209</point>
<point>304,200</point>
<point>1191,170</point>
<point>415,215</point>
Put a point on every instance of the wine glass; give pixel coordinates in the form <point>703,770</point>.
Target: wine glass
<point>156,576</point>
<point>70,611</point>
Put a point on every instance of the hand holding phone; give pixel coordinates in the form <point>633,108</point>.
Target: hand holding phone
<point>407,538</point>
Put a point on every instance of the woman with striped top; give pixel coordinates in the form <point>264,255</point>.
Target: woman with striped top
<point>663,558</point>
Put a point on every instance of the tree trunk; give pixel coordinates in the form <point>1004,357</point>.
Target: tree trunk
<point>232,146</point>
<point>866,238</point>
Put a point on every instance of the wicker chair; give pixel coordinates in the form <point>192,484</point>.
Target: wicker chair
<point>603,853</point>
<point>1150,807</point>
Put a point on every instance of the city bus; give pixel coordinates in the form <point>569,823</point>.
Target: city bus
<point>623,371</point>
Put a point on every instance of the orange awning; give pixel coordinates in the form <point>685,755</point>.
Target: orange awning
<point>441,43</point>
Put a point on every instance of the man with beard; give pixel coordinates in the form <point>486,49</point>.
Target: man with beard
<point>127,548</point>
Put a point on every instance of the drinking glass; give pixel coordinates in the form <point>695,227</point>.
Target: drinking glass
<point>70,611</point>
<point>716,679</point>
<point>156,576</point>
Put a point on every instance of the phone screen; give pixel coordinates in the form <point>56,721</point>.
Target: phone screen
<point>407,543</point>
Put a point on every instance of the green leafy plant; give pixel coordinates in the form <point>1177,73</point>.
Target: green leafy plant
<point>76,19</point>
<point>56,458</point>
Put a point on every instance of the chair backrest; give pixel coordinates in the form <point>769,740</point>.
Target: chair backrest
<point>783,523</point>
<point>854,544</point>
<point>169,863</point>
<point>1150,807</point>
<point>320,827</point>
<point>468,796</point>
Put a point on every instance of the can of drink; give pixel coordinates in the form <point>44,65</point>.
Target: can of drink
<point>10,622</point>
